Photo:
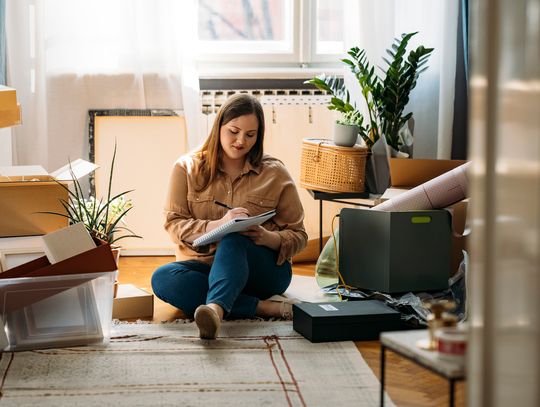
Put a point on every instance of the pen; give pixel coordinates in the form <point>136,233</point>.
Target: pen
<point>222,204</point>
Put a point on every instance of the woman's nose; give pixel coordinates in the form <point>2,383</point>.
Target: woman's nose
<point>240,138</point>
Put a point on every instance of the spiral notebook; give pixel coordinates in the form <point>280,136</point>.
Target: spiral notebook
<point>234,225</point>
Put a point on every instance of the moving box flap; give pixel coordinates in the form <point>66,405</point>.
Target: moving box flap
<point>79,167</point>
<point>97,260</point>
<point>26,172</point>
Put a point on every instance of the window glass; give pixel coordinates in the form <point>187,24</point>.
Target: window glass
<point>329,27</point>
<point>243,20</point>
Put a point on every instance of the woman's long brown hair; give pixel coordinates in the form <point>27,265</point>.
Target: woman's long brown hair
<point>211,151</point>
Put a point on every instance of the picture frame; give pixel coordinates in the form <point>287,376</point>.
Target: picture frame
<point>67,318</point>
<point>13,257</point>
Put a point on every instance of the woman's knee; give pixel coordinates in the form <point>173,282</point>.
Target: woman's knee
<point>161,279</point>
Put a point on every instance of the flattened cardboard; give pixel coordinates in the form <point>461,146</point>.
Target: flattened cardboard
<point>411,172</point>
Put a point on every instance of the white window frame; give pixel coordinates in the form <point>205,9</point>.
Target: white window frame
<point>302,52</point>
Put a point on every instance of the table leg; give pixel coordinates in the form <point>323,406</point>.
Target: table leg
<point>451,392</point>
<point>383,361</point>
<point>320,226</point>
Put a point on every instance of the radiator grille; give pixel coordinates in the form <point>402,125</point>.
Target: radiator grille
<point>211,100</point>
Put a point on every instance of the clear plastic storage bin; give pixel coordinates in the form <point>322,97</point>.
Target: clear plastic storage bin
<point>56,311</point>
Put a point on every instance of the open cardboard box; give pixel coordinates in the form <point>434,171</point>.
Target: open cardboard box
<point>411,172</point>
<point>27,190</point>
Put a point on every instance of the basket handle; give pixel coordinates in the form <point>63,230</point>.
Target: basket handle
<point>317,157</point>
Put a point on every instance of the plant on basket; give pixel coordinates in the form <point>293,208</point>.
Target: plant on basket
<point>103,218</point>
<point>350,125</point>
<point>385,98</point>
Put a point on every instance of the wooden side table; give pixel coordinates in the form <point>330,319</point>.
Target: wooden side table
<point>360,199</point>
<point>404,343</point>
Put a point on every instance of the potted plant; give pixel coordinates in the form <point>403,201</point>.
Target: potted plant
<point>103,218</point>
<point>387,98</point>
<point>349,125</point>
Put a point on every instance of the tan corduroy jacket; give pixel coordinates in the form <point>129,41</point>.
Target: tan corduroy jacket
<point>258,189</point>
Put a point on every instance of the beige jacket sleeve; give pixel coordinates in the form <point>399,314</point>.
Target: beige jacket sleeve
<point>289,220</point>
<point>179,223</point>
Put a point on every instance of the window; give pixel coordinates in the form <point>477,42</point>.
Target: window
<point>270,31</point>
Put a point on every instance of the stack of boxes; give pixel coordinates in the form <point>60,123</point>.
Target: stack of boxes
<point>27,193</point>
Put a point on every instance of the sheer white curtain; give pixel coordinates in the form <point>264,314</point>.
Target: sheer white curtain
<point>68,56</point>
<point>373,24</point>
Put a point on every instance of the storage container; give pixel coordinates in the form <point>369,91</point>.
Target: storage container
<point>345,321</point>
<point>56,311</point>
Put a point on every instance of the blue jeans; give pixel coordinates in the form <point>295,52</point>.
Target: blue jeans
<point>241,275</point>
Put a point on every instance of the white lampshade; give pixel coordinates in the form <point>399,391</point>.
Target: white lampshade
<point>10,110</point>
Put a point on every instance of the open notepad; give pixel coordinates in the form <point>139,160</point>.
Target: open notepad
<point>234,225</point>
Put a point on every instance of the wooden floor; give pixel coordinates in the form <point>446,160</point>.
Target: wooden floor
<point>408,384</point>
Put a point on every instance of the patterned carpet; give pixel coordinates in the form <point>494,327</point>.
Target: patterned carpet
<point>254,363</point>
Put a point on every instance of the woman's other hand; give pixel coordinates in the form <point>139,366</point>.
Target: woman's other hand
<point>263,237</point>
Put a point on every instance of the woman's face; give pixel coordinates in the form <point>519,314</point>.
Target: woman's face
<point>238,136</point>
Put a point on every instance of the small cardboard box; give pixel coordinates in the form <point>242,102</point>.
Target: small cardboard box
<point>27,190</point>
<point>344,321</point>
<point>132,302</point>
<point>395,252</point>
<point>411,172</point>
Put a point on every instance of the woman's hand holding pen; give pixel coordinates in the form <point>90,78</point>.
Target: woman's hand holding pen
<point>235,213</point>
<point>232,213</point>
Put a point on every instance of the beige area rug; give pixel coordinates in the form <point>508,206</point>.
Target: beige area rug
<point>254,363</point>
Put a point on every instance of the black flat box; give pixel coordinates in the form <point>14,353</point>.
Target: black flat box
<point>344,321</point>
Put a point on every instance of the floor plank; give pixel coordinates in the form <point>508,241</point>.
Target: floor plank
<point>408,384</point>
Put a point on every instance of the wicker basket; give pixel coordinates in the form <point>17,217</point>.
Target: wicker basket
<point>329,168</point>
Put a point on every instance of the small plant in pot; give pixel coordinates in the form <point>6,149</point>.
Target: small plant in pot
<point>347,128</point>
<point>351,123</point>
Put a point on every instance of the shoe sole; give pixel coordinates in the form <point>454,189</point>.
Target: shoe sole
<point>207,321</point>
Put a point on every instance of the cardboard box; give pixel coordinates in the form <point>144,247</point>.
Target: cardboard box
<point>411,172</point>
<point>10,110</point>
<point>27,190</point>
<point>395,252</point>
<point>344,321</point>
<point>132,302</point>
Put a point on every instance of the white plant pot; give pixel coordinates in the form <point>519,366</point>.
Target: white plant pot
<point>345,135</point>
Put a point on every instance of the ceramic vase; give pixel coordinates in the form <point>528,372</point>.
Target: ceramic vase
<point>345,135</point>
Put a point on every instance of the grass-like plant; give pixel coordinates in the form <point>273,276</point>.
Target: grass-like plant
<point>104,219</point>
